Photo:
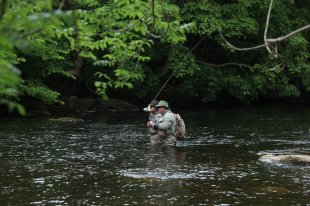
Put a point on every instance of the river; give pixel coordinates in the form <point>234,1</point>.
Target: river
<point>107,159</point>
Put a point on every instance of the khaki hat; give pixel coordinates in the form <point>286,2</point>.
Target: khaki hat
<point>162,103</point>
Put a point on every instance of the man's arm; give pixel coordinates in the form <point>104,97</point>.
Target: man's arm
<point>165,124</point>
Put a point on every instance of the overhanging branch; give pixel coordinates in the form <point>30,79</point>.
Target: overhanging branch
<point>241,49</point>
<point>226,64</point>
<point>269,43</point>
<point>266,27</point>
<point>279,39</point>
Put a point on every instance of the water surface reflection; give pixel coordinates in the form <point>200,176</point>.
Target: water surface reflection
<point>107,160</point>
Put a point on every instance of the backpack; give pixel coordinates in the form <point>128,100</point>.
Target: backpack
<point>180,128</point>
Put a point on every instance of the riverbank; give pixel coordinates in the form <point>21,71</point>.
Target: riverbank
<point>76,105</point>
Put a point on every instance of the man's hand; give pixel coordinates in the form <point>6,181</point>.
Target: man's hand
<point>149,108</point>
<point>150,124</point>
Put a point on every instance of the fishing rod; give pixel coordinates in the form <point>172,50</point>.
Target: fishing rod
<point>161,89</point>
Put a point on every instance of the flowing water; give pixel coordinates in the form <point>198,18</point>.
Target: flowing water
<point>107,160</point>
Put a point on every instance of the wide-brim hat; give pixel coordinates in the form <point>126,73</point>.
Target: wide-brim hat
<point>162,103</point>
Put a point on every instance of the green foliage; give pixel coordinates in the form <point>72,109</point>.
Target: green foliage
<point>127,44</point>
<point>9,82</point>
<point>243,23</point>
<point>124,77</point>
<point>112,36</point>
<point>29,34</point>
<point>238,23</point>
<point>150,81</point>
<point>41,92</point>
<point>205,14</point>
<point>296,55</point>
<point>182,62</point>
<point>205,84</point>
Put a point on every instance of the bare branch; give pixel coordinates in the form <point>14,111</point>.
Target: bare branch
<point>269,43</point>
<point>242,49</point>
<point>154,35</point>
<point>226,64</point>
<point>277,67</point>
<point>266,27</point>
<point>138,51</point>
<point>267,20</point>
<point>61,4</point>
<point>153,15</point>
<point>32,32</point>
<point>164,12</point>
<point>279,39</point>
<point>152,27</point>
<point>157,36</point>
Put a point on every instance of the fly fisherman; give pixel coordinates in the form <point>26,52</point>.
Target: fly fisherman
<point>165,126</point>
<point>153,116</point>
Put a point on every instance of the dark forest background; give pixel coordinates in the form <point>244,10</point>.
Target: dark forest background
<point>216,52</point>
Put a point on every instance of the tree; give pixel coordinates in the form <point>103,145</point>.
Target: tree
<point>137,44</point>
<point>45,39</point>
<point>230,70</point>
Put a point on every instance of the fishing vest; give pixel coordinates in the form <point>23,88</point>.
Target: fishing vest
<point>166,124</point>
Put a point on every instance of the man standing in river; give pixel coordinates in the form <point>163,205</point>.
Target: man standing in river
<point>166,126</point>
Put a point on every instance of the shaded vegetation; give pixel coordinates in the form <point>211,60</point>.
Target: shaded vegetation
<point>55,48</point>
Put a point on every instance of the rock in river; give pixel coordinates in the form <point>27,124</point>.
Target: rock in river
<point>67,119</point>
<point>286,159</point>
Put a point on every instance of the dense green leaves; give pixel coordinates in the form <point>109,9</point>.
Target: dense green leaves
<point>128,44</point>
<point>248,75</point>
<point>55,40</point>
<point>182,62</point>
<point>28,42</point>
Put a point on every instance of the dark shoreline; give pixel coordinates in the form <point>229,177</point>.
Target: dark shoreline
<point>74,106</point>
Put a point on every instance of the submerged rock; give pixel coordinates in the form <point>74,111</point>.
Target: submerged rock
<point>67,119</point>
<point>286,159</point>
<point>269,189</point>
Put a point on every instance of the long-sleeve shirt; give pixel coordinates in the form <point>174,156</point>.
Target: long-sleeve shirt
<point>154,117</point>
<point>167,123</point>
